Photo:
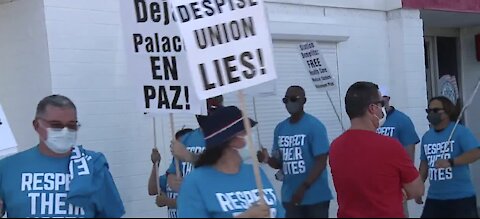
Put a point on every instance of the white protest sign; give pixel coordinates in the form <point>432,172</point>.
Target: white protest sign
<point>7,140</point>
<point>156,59</point>
<point>316,66</point>
<point>229,46</point>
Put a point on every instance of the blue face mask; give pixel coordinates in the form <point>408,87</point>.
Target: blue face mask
<point>293,107</point>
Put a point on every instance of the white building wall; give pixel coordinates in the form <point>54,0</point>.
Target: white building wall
<point>470,68</point>
<point>24,72</point>
<point>88,65</point>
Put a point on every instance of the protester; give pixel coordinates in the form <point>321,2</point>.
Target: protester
<point>58,178</point>
<point>222,185</point>
<point>166,197</point>
<point>370,171</point>
<point>445,164</point>
<point>302,143</point>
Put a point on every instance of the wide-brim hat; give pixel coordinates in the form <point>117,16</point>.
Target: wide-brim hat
<point>222,125</point>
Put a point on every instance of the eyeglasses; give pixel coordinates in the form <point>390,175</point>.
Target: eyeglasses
<point>291,99</point>
<point>434,110</point>
<point>381,102</point>
<point>58,125</point>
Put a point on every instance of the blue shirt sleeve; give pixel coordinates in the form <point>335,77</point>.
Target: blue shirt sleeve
<point>163,183</point>
<point>408,135</point>
<point>171,169</point>
<point>319,139</point>
<point>275,140</point>
<point>109,203</point>
<point>189,202</point>
<point>466,139</point>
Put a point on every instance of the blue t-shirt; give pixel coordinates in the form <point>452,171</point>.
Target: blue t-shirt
<point>399,126</point>
<point>35,185</point>
<point>298,145</point>
<point>195,143</point>
<point>209,193</point>
<point>172,212</point>
<point>448,183</point>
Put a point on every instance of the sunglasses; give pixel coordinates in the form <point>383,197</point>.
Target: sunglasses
<point>434,110</point>
<point>381,102</point>
<point>291,99</point>
<point>58,125</point>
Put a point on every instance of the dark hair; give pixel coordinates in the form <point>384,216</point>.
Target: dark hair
<point>298,87</point>
<point>53,100</point>
<point>359,96</point>
<point>211,155</point>
<point>448,106</point>
<point>182,132</point>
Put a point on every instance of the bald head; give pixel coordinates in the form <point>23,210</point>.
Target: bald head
<point>295,91</point>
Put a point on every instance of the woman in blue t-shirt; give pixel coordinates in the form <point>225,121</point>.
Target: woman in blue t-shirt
<point>445,163</point>
<point>221,185</point>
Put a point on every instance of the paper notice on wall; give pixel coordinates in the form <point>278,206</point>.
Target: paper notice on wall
<point>8,145</point>
<point>316,66</point>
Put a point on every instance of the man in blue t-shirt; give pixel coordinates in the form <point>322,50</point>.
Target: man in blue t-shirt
<point>57,178</point>
<point>399,126</point>
<point>302,142</point>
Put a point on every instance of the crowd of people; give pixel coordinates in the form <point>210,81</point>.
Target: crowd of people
<point>372,165</point>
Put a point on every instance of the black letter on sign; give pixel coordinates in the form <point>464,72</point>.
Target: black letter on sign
<point>137,40</point>
<point>244,56</point>
<point>149,92</point>
<point>170,66</point>
<point>155,67</point>
<point>178,91</point>
<point>229,69</point>
<point>163,98</point>
<point>138,4</point>
<point>206,85</point>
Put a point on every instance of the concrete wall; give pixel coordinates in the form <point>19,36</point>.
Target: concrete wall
<point>24,72</point>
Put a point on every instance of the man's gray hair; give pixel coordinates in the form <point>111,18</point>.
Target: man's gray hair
<point>54,100</point>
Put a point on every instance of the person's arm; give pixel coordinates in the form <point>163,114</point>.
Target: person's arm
<point>313,175</point>
<point>464,159</point>
<point>411,151</point>
<point>180,152</point>
<point>423,170</point>
<point>465,139</point>
<point>162,200</point>
<point>152,182</point>
<point>409,175</point>
<point>414,189</point>
<point>408,137</point>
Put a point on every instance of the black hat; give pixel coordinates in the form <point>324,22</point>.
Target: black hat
<point>222,125</point>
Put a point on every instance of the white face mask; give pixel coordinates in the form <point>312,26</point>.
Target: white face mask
<point>382,120</point>
<point>244,153</point>
<point>61,141</point>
